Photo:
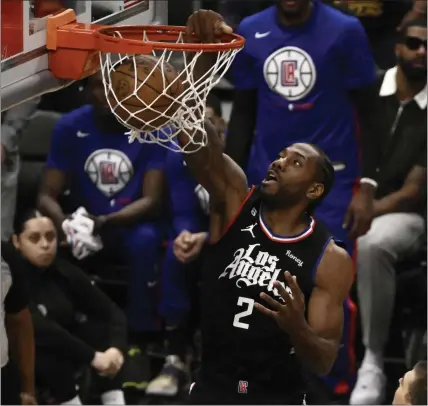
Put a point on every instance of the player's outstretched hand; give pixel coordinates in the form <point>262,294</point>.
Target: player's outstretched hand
<point>187,245</point>
<point>207,26</point>
<point>289,316</point>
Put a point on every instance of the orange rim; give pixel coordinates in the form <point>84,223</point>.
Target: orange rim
<point>128,40</point>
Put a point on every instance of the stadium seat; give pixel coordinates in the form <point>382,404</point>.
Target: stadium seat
<point>412,307</point>
<point>34,148</point>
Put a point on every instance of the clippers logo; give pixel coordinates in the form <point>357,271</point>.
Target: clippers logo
<point>289,73</point>
<point>110,170</point>
<point>108,173</point>
<point>242,387</point>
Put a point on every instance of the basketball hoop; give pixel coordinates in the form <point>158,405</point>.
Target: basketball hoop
<point>181,100</point>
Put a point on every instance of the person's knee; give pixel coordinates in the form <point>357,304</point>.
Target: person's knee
<point>376,244</point>
<point>144,237</point>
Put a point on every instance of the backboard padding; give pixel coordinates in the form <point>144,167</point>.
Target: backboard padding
<point>25,74</point>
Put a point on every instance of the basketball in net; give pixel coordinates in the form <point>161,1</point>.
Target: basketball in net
<point>146,90</point>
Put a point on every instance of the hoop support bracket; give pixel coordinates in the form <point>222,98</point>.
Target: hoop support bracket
<point>71,46</point>
<point>74,47</point>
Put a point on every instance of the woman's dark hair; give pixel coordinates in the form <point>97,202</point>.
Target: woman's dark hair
<point>418,388</point>
<point>22,218</point>
<point>325,175</point>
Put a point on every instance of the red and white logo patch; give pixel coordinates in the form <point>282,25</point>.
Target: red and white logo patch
<point>242,387</point>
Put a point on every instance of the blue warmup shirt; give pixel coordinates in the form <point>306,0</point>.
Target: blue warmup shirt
<point>303,76</point>
<point>105,171</point>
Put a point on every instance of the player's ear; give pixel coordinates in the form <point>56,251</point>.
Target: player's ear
<point>315,191</point>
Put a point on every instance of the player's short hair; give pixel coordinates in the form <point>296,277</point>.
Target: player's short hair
<point>417,22</point>
<point>418,388</point>
<point>214,102</point>
<point>324,175</point>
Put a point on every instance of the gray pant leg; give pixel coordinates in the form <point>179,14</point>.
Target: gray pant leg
<point>392,237</point>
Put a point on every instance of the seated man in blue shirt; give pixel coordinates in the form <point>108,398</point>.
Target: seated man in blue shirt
<point>121,187</point>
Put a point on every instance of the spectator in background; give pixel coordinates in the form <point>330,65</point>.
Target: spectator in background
<point>398,227</point>
<point>304,69</point>
<point>121,187</point>
<point>189,209</point>
<point>380,19</point>
<point>419,10</point>
<point>234,11</point>
<point>412,389</point>
<point>16,337</point>
<point>13,122</point>
<point>75,324</point>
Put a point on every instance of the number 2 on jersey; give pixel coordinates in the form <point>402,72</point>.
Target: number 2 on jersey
<point>249,303</point>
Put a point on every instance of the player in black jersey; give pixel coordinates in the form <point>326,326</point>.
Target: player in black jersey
<point>273,280</point>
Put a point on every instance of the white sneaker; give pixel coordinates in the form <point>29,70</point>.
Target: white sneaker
<point>170,380</point>
<point>370,386</point>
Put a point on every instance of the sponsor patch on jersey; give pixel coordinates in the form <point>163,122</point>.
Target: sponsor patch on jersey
<point>242,387</point>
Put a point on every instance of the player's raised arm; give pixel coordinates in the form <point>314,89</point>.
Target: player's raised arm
<point>216,172</point>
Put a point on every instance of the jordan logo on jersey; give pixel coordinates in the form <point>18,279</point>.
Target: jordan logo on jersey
<point>250,229</point>
<point>252,266</point>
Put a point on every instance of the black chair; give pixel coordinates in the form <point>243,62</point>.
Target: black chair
<point>411,306</point>
<point>34,148</point>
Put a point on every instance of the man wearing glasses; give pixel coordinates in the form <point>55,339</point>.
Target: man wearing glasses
<point>398,228</point>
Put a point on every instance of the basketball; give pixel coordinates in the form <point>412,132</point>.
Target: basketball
<point>129,76</point>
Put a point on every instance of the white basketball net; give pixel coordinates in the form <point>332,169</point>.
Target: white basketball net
<point>188,117</point>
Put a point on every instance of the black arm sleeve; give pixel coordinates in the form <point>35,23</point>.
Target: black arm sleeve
<point>242,126</point>
<point>18,296</point>
<point>370,128</point>
<point>49,334</point>
<point>95,304</point>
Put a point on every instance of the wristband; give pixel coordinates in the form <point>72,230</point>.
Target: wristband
<point>369,181</point>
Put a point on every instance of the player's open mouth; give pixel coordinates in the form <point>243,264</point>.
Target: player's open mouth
<point>270,177</point>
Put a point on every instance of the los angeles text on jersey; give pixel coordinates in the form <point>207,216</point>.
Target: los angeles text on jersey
<point>251,267</point>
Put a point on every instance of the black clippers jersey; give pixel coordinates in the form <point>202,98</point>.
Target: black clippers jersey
<point>244,349</point>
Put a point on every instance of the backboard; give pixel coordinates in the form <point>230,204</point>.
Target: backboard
<point>24,59</point>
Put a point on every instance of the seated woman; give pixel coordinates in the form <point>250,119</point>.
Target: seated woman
<point>75,324</point>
